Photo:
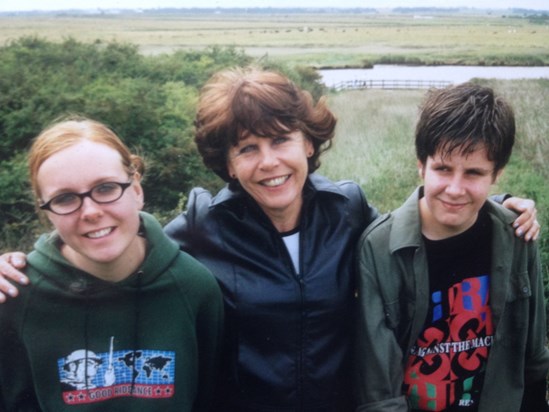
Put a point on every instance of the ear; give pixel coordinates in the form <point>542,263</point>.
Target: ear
<point>230,170</point>
<point>420,169</point>
<point>309,148</point>
<point>138,190</point>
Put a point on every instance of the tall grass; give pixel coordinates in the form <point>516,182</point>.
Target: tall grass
<point>374,146</point>
<point>374,143</point>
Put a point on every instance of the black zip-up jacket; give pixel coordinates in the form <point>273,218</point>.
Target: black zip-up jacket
<point>288,335</point>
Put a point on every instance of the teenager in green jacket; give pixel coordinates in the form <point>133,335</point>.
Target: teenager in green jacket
<point>452,314</point>
<point>116,318</point>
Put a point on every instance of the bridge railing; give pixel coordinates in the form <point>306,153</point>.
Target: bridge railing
<point>390,84</point>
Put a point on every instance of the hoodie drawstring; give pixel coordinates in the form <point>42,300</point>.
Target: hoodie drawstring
<point>137,313</point>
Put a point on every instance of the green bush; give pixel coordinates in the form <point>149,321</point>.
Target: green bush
<point>148,101</point>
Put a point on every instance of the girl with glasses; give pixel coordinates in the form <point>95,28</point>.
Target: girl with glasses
<point>117,317</point>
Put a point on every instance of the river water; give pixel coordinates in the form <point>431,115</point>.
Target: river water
<point>452,74</point>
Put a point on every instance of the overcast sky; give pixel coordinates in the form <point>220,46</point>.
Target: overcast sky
<point>24,5</point>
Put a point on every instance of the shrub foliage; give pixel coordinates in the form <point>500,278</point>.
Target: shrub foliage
<point>149,101</point>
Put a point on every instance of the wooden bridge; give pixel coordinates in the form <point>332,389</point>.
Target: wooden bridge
<point>390,84</point>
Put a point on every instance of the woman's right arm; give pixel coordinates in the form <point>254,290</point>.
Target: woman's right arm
<point>11,264</point>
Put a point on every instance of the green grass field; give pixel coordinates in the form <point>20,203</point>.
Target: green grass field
<point>320,40</point>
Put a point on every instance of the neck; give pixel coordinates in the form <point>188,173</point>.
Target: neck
<point>111,271</point>
<point>285,225</point>
<point>284,220</point>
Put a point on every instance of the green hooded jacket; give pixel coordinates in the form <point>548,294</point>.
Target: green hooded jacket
<point>73,342</point>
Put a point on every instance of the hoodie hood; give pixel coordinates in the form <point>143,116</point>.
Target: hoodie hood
<point>65,279</point>
<point>50,263</point>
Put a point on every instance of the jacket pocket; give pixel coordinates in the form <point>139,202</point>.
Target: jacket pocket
<point>519,287</point>
<point>392,314</point>
<point>514,322</point>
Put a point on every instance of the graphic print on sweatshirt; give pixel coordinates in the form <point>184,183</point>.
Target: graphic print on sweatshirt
<point>88,377</point>
<point>445,369</point>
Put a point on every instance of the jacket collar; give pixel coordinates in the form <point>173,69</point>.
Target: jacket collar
<point>315,183</point>
<point>406,229</point>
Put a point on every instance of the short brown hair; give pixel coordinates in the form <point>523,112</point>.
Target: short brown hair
<point>465,117</point>
<point>240,101</point>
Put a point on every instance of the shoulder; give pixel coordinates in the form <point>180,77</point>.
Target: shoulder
<point>397,230</point>
<point>502,214</point>
<point>357,207</point>
<point>200,199</point>
<point>198,203</point>
<point>346,188</point>
<point>197,208</point>
<point>350,188</point>
<point>509,248</point>
<point>192,277</point>
<point>378,232</point>
<point>355,194</point>
<point>46,258</point>
<point>161,247</point>
<point>502,220</point>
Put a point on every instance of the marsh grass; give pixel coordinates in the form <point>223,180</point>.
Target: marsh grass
<point>374,143</point>
<point>321,39</point>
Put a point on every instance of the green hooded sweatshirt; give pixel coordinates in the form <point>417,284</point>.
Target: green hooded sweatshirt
<point>73,342</point>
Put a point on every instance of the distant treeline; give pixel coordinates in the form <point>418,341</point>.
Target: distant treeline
<point>515,12</point>
<point>454,10</point>
<point>199,10</point>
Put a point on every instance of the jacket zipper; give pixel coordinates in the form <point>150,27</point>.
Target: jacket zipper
<point>299,278</point>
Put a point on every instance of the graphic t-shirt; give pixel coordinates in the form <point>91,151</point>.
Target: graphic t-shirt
<point>445,368</point>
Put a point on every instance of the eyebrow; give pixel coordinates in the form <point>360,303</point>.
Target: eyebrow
<point>479,170</point>
<point>66,190</point>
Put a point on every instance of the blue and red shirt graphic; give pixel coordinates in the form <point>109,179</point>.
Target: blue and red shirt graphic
<point>445,368</point>
<point>88,377</point>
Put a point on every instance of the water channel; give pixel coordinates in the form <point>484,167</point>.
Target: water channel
<point>452,74</point>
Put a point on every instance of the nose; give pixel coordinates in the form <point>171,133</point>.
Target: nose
<point>455,186</point>
<point>89,209</point>
<point>269,158</point>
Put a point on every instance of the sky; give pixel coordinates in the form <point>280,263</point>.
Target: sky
<point>26,5</point>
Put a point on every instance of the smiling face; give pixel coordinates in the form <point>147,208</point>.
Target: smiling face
<point>97,237</point>
<point>273,171</point>
<point>455,189</point>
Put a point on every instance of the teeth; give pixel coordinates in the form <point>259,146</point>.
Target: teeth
<point>275,182</point>
<point>99,233</point>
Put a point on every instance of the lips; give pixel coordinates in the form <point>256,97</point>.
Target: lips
<point>277,181</point>
<point>99,233</point>
<point>453,206</point>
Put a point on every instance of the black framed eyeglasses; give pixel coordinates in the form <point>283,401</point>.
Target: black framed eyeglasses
<point>67,203</point>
